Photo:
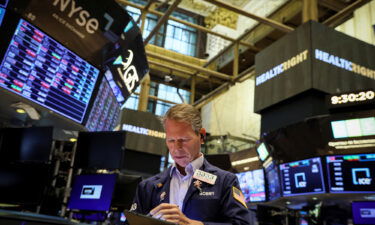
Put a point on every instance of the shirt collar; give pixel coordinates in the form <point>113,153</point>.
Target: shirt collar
<point>191,167</point>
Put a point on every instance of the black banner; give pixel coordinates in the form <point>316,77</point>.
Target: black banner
<point>312,57</point>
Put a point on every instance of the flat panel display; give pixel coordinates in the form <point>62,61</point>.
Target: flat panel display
<point>273,182</point>
<point>252,184</point>
<point>40,69</point>
<point>23,184</point>
<point>92,192</point>
<point>32,144</point>
<point>363,212</point>
<point>353,127</point>
<point>2,13</point>
<point>100,150</point>
<point>351,173</point>
<point>105,113</point>
<point>302,177</point>
<point>263,151</point>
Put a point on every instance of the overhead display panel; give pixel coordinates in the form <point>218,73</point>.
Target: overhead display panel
<point>312,57</point>
<point>105,112</point>
<point>82,25</point>
<point>40,69</point>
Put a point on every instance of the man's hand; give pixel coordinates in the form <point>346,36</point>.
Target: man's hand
<point>172,213</point>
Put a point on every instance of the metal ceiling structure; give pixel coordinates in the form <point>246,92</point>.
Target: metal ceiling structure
<point>235,62</point>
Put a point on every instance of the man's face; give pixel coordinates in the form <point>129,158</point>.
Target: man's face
<point>183,143</point>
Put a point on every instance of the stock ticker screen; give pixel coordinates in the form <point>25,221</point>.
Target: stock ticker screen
<point>302,177</point>
<point>252,184</point>
<point>351,173</point>
<point>42,70</point>
<point>104,114</point>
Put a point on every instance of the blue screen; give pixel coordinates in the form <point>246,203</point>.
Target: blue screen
<point>351,173</point>
<point>363,212</point>
<point>40,69</point>
<point>105,113</point>
<point>2,13</point>
<point>302,177</point>
<point>92,192</point>
<point>252,185</point>
<point>273,182</point>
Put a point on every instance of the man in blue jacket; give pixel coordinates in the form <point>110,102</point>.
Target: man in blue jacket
<point>192,191</point>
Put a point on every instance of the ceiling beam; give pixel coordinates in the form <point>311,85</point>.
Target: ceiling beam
<point>332,5</point>
<point>162,20</point>
<point>190,66</point>
<point>272,23</point>
<point>195,26</point>
<point>338,18</point>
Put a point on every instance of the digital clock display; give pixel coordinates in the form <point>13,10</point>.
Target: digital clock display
<point>353,97</point>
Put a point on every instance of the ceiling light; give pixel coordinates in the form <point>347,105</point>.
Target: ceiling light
<point>246,168</point>
<point>314,198</point>
<point>72,139</point>
<point>20,111</point>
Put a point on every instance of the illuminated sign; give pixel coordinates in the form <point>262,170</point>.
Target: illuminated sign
<point>344,64</point>
<point>275,71</point>
<point>143,131</point>
<point>353,127</point>
<point>352,98</point>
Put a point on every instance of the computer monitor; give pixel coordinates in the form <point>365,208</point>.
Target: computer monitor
<point>352,128</point>
<point>351,173</point>
<point>92,192</point>
<point>263,151</point>
<point>24,184</point>
<point>100,150</point>
<point>252,184</point>
<point>273,181</point>
<point>124,193</point>
<point>105,112</point>
<point>32,144</point>
<point>2,13</point>
<point>41,70</point>
<point>302,177</point>
<point>363,213</point>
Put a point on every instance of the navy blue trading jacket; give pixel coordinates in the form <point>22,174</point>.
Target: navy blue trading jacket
<point>215,205</point>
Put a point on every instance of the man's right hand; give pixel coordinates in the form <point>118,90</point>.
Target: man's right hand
<point>172,213</point>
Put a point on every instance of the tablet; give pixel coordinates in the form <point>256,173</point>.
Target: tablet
<point>134,218</point>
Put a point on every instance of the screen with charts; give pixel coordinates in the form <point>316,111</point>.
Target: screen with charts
<point>273,181</point>
<point>363,212</point>
<point>351,173</point>
<point>252,185</point>
<point>302,177</point>
<point>40,69</point>
<point>92,192</point>
<point>105,112</point>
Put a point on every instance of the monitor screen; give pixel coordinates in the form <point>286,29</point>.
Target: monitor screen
<point>32,144</point>
<point>92,192</point>
<point>2,13</point>
<point>273,182</point>
<point>351,173</point>
<point>4,3</point>
<point>105,112</point>
<point>40,69</point>
<point>115,87</point>
<point>302,177</point>
<point>23,184</point>
<point>263,151</point>
<point>252,185</point>
<point>363,212</point>
<point>353,127</point>
<point>100,150</point>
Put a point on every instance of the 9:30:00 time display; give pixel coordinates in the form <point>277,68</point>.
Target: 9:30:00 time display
<point>353,97</point>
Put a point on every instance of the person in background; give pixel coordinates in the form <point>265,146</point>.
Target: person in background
<point>191,191</point>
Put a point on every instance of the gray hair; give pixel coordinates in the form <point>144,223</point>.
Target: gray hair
<point>184,113</point>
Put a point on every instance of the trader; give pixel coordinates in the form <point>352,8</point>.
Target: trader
<point>192,191</point>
